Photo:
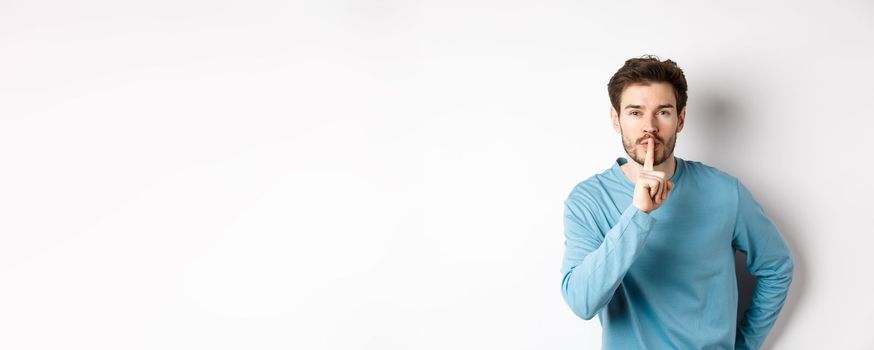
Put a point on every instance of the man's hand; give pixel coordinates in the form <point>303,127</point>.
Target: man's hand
<point>651,189</point>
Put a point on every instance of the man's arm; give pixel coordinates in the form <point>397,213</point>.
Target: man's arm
<point>593,266</point>
<point>770,260</point>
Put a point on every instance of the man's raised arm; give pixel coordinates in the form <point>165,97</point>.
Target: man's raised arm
<point>593,266</point>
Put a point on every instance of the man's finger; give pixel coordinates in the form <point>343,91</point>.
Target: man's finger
<point>647,163</point>
<point>668,188</point>
<point>653,185</point>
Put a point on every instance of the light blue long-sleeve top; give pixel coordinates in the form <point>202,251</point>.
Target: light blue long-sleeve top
<point>666,280</point>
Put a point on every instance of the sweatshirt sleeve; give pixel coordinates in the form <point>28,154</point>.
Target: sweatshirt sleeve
<point>594,264</point>
<point>770,260</point>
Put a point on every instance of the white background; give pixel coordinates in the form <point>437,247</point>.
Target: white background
<point>390,174</point>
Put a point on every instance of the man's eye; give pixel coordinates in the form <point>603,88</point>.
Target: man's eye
<point>635,113</point>
<point>664,112</point>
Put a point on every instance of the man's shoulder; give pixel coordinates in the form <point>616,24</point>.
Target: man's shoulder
<point>593,187</point>
<point>708,173</point>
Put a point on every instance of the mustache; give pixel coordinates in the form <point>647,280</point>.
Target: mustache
<point>642,140</point>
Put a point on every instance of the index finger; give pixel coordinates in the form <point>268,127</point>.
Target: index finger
<point>647,163</point>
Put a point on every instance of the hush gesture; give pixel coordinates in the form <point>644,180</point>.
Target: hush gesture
<point>651,189</point>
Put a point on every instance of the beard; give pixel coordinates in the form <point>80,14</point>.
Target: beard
<point>661,153</point>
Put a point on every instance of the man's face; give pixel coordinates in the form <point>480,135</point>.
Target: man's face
<point>648,111</point>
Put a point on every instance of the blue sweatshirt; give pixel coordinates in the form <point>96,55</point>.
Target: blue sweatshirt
<point>666,280</point>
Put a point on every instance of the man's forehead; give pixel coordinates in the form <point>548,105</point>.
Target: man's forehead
<point>648,95</point>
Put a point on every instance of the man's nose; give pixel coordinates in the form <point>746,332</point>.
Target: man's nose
<point>649,125</point>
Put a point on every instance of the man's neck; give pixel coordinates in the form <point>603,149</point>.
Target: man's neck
<point>632,168</point>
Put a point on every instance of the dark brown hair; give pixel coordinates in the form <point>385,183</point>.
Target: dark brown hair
<point>645,70</point>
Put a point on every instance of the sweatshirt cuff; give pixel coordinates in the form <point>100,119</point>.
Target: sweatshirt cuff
<point>639,217</point>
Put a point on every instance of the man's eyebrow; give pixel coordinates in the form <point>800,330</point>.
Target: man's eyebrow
<point>668,105</point>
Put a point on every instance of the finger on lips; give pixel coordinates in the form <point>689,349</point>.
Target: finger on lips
<point>647,163</point>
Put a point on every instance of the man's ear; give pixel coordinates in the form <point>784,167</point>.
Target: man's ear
<point>681,119</point>
<point>614,117</point>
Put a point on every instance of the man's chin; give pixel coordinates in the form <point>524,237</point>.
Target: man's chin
<point>634,159</point>
<point>640,162</point>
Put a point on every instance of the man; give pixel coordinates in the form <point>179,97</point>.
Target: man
<point>650,242</point>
